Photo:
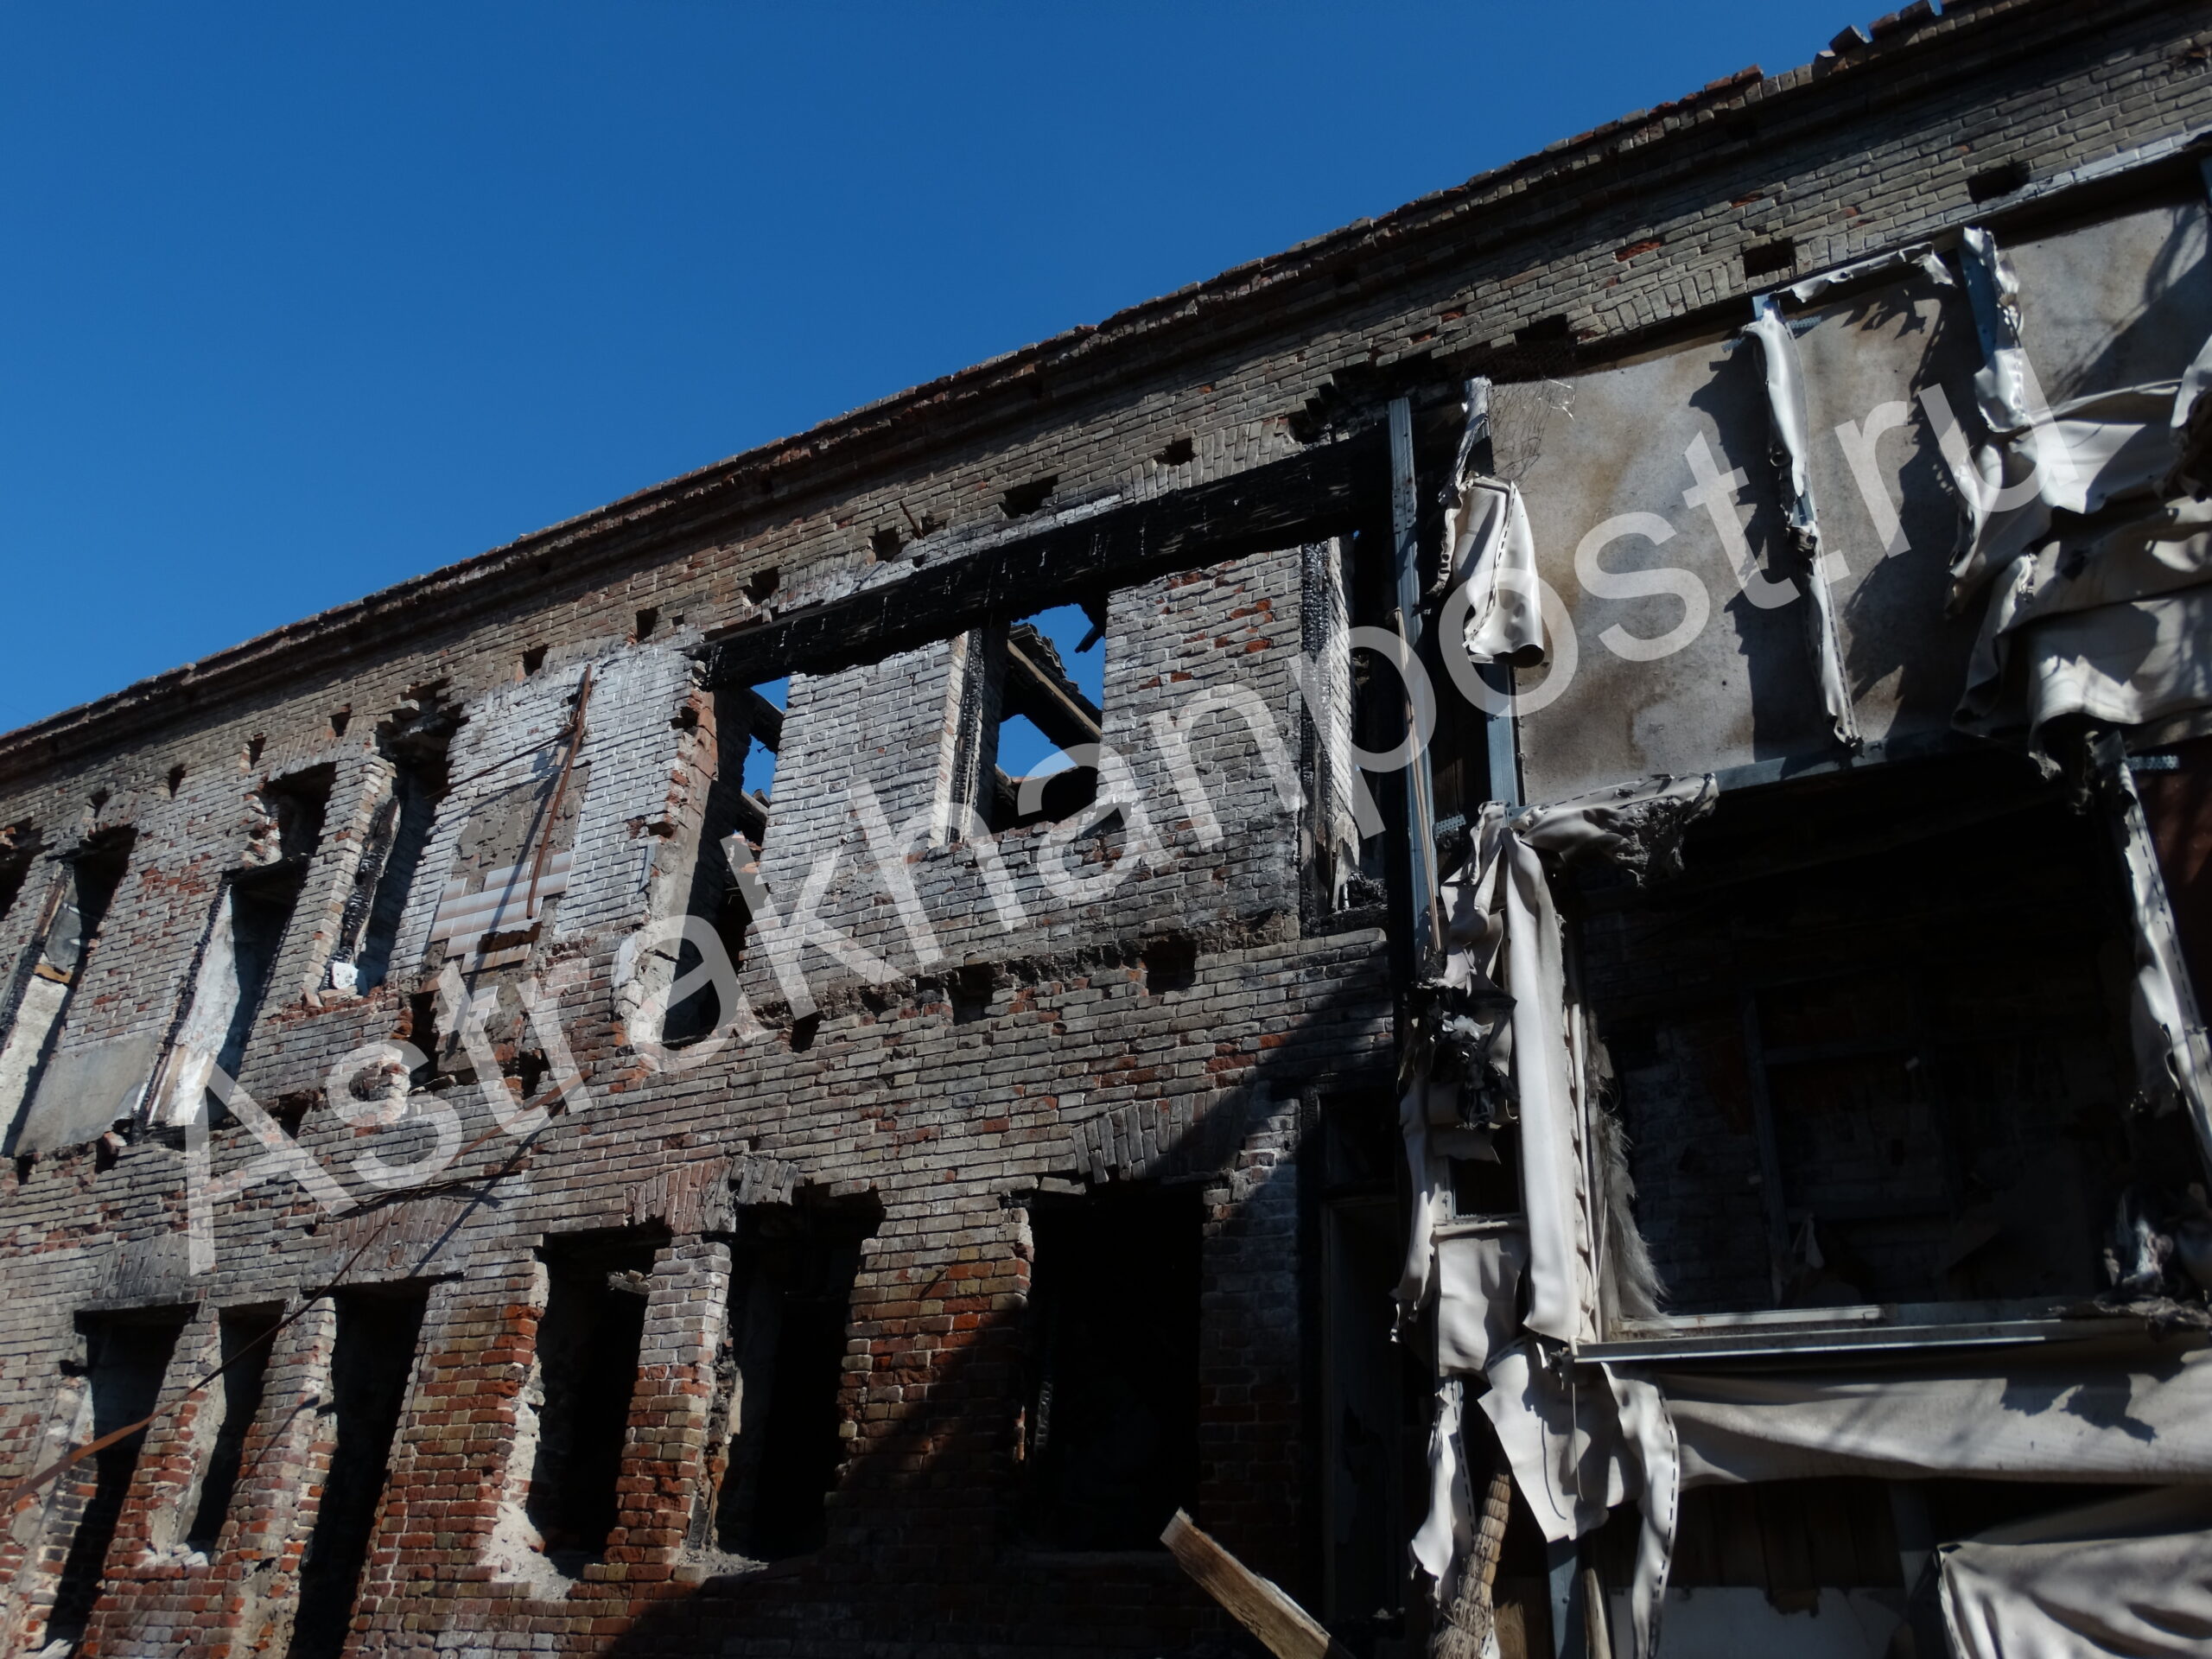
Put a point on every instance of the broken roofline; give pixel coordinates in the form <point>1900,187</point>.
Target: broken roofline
<point>1147,338</point>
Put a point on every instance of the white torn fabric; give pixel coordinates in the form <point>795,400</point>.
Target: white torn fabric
<point>2131,1575</point>
<point>1503,951</point>
<point>1478,1282</point>
<point>2002,386</point>
<point>2097,665</point>
<point>1560,1426</point>
<point>1648,1432</point>
<point>1448,1529</point>
<point>1491,550</point>
<point>2084,1415</point>
<point>1344,788</point>
<point>1792,451</point>
<point>1920,254</point>
<point>1432,1187</point>
<point>2172,1064</point>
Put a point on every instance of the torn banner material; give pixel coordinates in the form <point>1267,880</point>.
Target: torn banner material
<point>1502,1043</point>
<point>2133,1575</point>
<point>1792,450</point>
<point>2097,567</point>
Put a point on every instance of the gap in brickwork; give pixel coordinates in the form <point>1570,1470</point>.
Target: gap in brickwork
<point>1170,964</point>
<point>127,1356</point>
<point>246,1335</point>
<point>65,954</point>
<point>1044,678</point>
<point>588,1341</point>
<point>370,1363</point>
<point>417,741</point>
<point>792,1272</point>
<point>748,733</point>
<point>1109,1431</point>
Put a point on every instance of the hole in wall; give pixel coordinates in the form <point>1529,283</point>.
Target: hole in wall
<point>761,583</point>
<point>1544,330</point>
<point>886,542</point>
<point>100,797</point>
<point>648,619</point>
<point>175,780</point>
<point>1025,499</point>
<point>1170,964</point>
<point>970,989</point>
<point>533,658</point>
<point>254,745</point>
<point>340,719</point>
<point>1995,181</point>
<point>804,1031</point>
<point>1768,258</point>
<point>1181,453</point>
<point>589,1344</point>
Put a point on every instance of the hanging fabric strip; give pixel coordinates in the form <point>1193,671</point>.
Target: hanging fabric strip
<point>1791,449</point>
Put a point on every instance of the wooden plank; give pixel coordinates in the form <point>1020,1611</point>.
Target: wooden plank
<point>1287,1630</point>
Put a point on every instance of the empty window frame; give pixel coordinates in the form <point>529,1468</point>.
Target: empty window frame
<point>245,1336</point>
<point>238,960</point>
<point>588,1342</point>
<point>748,736</point>
<point>1871,1049</point>
<point>127,1356</point>
<point>1032,700</point>
<point>792,1271</point>
<point>417,743</point>
<point>1109,1426</point>
<point>371,1364</point>
<point>78,908</point>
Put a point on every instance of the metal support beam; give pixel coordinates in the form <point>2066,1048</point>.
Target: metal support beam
<point>1420,786</point>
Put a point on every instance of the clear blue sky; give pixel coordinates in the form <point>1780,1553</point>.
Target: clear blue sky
<point>299,301</point>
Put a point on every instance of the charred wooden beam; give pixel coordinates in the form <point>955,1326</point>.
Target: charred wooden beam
<point>1038,689</point>
<point>1328,489</point>
<point>764,720</point>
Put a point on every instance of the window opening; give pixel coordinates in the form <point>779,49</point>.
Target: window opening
<point>417,741</point>
<point>127,1356</point>
<point>748,737</point>
<point>370,1363</point>
<point>588,1342</point>
<point>1042,681</point>
<point>1109,1434</point>
<point>1871,1049</point>
<point>64,953</point>
<point>1374,1392</point>
<point>246,1335</point>
<point>791,1308</point>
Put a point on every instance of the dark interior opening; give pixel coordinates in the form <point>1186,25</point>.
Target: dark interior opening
<point>587,1349</point>
<point>246,1335</point>
<point>1373,1395</point>
<point>370,1366</point>
<point>127,1358</point>
<point>1871,1048</point>
<point>15,858</point>
<point>791,1307</point>
<point>1111,1445</point>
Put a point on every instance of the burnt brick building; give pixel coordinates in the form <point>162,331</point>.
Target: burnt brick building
<point>580,1105</point>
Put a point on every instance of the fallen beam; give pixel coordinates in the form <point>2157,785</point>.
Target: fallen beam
<point>1283,1627</point>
